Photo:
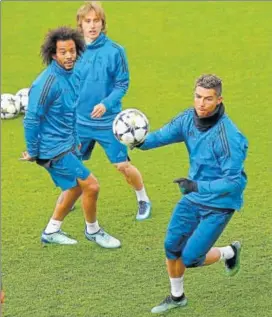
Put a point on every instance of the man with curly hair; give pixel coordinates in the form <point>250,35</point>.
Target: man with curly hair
<point>52,141</point>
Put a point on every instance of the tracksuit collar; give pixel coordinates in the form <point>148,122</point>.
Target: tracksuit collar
<point>59,69</point>
<point>204,124</point>
<point>98,42</point>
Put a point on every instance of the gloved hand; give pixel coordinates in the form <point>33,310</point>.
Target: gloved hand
<point>186,186</point>
<point>136,144</point>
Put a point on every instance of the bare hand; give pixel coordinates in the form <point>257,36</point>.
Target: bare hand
<point>26,157</point>
<point>98,111</point>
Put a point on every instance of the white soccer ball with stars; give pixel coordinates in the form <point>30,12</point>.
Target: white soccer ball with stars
<point>10,106</point>
<point>130,127</point>
<point>22,94</point>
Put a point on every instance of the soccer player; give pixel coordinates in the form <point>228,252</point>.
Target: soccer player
<point>52,141</point>
<point>212,191</point>
<point>104,77</point>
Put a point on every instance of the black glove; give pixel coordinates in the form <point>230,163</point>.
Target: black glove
<point>186,186</point>
<point>44,162</point>
<point>136,144</point>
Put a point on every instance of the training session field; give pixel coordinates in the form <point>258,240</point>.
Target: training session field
<point>169,45</point>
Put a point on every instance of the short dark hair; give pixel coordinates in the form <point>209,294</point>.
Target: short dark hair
<point>63,33</point>
<point>210,81</point>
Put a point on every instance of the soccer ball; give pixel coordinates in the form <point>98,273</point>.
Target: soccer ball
<point>130,127</point>
<point>22,94</point>
<point>10,106</point>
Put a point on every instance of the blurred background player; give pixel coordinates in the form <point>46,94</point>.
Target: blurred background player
<point>2,296</point>
<point>51,137</point>
<point>104,78</point>
<point>212,192</point>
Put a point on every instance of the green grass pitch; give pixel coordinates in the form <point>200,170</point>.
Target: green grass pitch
<point>168,45</point>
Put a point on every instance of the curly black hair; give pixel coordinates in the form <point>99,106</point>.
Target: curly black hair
<point>63,33</point>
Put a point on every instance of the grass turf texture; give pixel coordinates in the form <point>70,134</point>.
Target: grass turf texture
<point>168,46</point>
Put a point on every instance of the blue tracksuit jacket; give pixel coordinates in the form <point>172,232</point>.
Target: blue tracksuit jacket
<point>50,121</point>
<point>104,78</point>
<point>216,158</point>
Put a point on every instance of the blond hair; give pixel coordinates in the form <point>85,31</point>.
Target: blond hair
<point>85,9</point>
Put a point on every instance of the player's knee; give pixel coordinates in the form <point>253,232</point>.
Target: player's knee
<point>171,250</point>
<point>191,260</point>
<point>92,187</point>
<point>123,167</point>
